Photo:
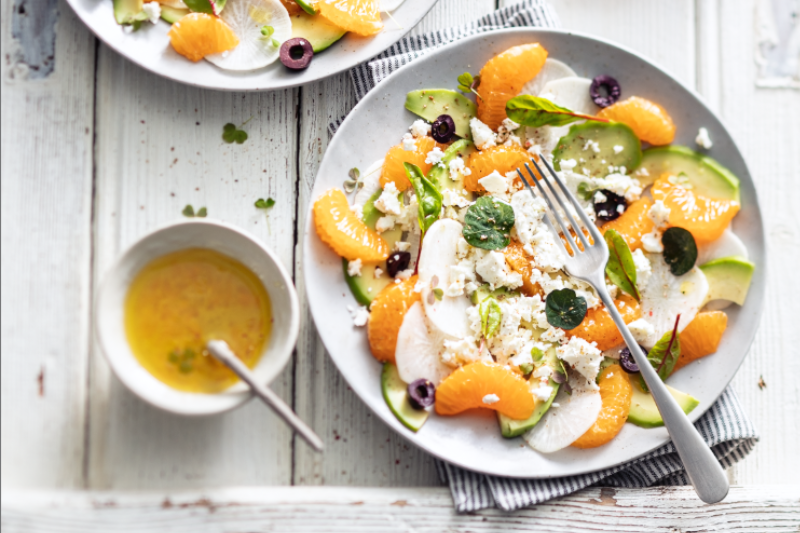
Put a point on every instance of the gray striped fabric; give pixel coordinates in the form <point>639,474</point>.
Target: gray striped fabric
<point>725,427</point>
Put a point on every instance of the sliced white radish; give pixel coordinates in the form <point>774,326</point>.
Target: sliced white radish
<point>448,314</point>
<point>666,296</point>
<point>371,178</point>
<point>727,245</point>
<point>572,93</point>
<point>419,349</point>
<point>573,416</point>
<point>553,69</point>
<point>246,18</point>
<point>389,5</point>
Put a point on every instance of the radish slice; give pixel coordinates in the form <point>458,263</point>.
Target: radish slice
<point>572,93</point>
<point>727,245</point>
<point>371,181</point>
<point>419,349</point>
<point>573,417</point>
<point>246,18</point>
<point>553,70</point>
<point>389,5</point>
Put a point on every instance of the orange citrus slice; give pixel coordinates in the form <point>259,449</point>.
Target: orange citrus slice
<point>616,392</point>
<point>648,120</point>
<point>386,316</point>
<point>702,336</point>
<point>597,326</point>
<point>489,385</point>
<point>358,16</point>
<point>197,35</point>
<point>393,169</point>
<point>520,262</point>
<point>633,223</point>
<point>341,229</point>
<point>503,159</point>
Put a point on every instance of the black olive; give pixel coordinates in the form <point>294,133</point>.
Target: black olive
<point>421,394</point>
<point>626,360</point>
<point>611,88</point>
<point>609,209</point>
<point>296,53</point>
<point>443,129</point>
<point>397,261</point>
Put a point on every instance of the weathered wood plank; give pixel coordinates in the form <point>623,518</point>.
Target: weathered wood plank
<point>766,126</point>
<point>360,450</point>
<point>159,148</point>
<point>350,510</point>
<point>47,136</point>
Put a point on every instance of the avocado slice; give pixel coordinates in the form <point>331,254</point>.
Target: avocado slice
<point>366,287</point>
<point>316,30</point>
<point>728,278</point>
<point>607,136</point>
<point>483,292</point>
<point>511,428</point>
<point>644,412</point>
<point>129,12</point>
<point>430,103</point>
<point>395,392</point>
<point>441,174</point>
<point>706,175</point>
<point>173,14</point>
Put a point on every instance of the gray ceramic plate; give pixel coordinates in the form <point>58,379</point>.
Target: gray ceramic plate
<point>473,440</point>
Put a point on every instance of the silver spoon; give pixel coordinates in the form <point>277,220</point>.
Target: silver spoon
<point>222,351</point>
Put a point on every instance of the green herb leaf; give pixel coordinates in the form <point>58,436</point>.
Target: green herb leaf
<point>491,316</point>
<point>355,182</point>
<point>438,294</point>
<point>586,191</point>
<point>665,354</point>
<point>231,134</point>
<point>212,7</point>
<point>428,197</point>
<point>565,309</point>
<point>188,211</point>
<point>265,204</point>
<point>680,250</point>
<point>276,43</point>
<point>267,31</point>
<point>537,354</point>
<point>202,212</point>
<point>620,268</point>
<point>467,83</point>
<point>488,223</point>
<point>535,111</point>
<point>526,368</point>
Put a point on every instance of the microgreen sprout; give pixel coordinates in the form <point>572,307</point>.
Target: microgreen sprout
<point>354,182</point>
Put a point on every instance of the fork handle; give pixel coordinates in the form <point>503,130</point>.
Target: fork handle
<point>705,472</point>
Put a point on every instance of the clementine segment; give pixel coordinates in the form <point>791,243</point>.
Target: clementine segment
<point>358,16</point>
<point>648,120</point>
<point>197,35</point>
<point>483,384</point>
<point>705,218</point>
<point>342,230</point>
<point>503,159</point>
<point>598,326</point>
<point>702,336</point>
<point>520,262</point>
<point>502,78</point>
<point>393,169</point>
<point>386,316</point>
<point>616,393</point>
<point>633,223</point>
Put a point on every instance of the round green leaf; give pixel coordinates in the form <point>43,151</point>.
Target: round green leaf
<point>487,223</point>
<point>565,309</point>
<point>680,250</point>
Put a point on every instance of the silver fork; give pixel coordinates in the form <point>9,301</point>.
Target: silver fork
<point>704,471</point>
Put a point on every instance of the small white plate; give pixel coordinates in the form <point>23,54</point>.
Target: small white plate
<point>473,440</point>
<point>149,48</point>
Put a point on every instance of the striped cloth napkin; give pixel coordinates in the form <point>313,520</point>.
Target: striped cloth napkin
<point>725,426</point>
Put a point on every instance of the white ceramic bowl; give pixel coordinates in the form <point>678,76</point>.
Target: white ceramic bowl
<point>223,238</point>
<point>473,440</point>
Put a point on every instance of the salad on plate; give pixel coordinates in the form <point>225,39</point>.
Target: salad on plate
<point>461,286</point>
<point>246,35</point>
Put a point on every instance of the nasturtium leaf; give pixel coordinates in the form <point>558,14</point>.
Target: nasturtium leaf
<point>188,211</point>
<point>488,223</point>
<point>535,111</point>
<point>621,269</point>
<point>202,212</point>
<point>491,316</point>
<point>665,354</point>
<point>565,309</point>
<point>680,250</point>
<point>428,197</point>
<point>231,134</point>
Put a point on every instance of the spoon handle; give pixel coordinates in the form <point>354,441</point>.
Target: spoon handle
<point>221,351</point>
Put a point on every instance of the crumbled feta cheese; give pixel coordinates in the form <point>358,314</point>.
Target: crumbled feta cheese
<point>420,285</point>
<point>581,356</point>
<point>535,236</point>
<point>378,273</point>
<point>409,144</point>
<point>408,216</point>
<point>354,268</point>
<point>625,186</point>
<point>643,268</point>
<point>402,246</point>
<point>543,372</point>
<point>462,248</point>
<point>385,223</point>
<point>482,135</point>
<point>620,209</point>
<point>618,148</point>
<point>388,201</point>
<point>651,242</point>
<point>435,156</point>
<point>613,290</point>
<point>358,209</point>
<point>471,287</point>
<point>152,10</point>
<point>522,358</point>
<point>513,140</point>
<point>460,351</point>
<point>553,335</point>
<point>568,164</point>
<point>404,274</point>
<point>593,145</point>
<point>453,198</point>
<point>509,124</point>
<point>457,166</point>
<point>489,399</point>
<point>360,315</point>
<point>659,214</point>
<point>703,140</point>
<point>599,197</point>
<point>642,330</point>
<point>494,183</point>
<point>642,172</point>
<point>543,392</point>
<point>420,128</point>
<point>492,268</point>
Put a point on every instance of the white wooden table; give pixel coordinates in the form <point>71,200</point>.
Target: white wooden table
<point>96,152</point>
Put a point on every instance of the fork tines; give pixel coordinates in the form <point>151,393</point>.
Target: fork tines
<point>547,191</point>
